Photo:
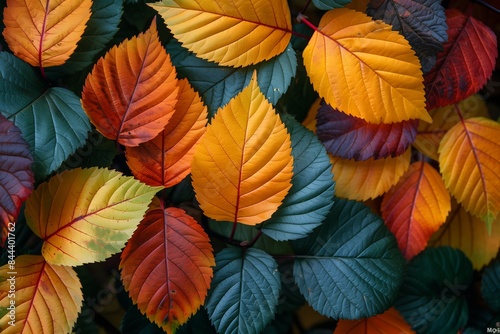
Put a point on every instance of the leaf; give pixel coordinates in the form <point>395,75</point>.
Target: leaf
<point>469,160</point>
<point>388,322</point>
<point>47,298</point>
<point>433,296</point>
<point>362,180</point>
<point>86,215</point>
<point>51,120</point>
<point>237,33</point>
<point>167,266</point>
<point>166,159</point>
<point>351,137</point>
<point>131,92</point>
<point>370,72</point>
<point>16,177</point>
<point>247,152</point>
<point>244,291</point>
<point>421,22</point>
<point>311,195</point>
<point>330,4</point>
<point>350,267</point>
<point>416,207</point>
<point>45,33</point>
<point>465,64</point>
<point>490,284</point>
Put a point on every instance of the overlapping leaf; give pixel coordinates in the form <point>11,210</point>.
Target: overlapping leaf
<point>166,159</point>
<point>469,160</point>
<point>364,69</point>
<point>131,92</point>
<point>465,64</point>
<point>167,266</point>
<point>416,207</point>
<point>47,298</point>
<point>86,215</point>
<point>235,33</point>
<point>45,33</point>
<point>490,286</point>
<point>242,168</point>
<point>330,4</point>
<point>388,322</point>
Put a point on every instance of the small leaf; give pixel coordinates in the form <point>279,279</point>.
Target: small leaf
<point>490,286</point>
<point>330,4</point>
<point>238,33</point>
<point>244,291</point>
<point>47,299</point>
<point>370,72</point>
<point>131,92</point>
<point>86,215</point>
<point>45,33</point>
<point>388,322</point>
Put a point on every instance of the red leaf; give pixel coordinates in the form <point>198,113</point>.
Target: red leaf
<point>465,64</point>
<point>351,137</point>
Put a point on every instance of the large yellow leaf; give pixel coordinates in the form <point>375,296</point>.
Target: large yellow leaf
<point>47,298</point>
<point>365,69</point>
<point>469,160</point>
<point>45,33</point>
<point>231,32</point>
<point>242,168</point>
<point>86,215</point>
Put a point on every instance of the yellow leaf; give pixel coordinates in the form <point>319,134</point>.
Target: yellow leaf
<point>86,215</point>
<point>365,69</point>
<point>231,33</point>
<point>469,160</point>
<point>242,168</point>
<point>47,298</point>
<point>310,121</point>
<point>45,33</point>
<point>362,180</point>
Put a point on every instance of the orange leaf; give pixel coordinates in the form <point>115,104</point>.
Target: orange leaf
<point>45,33</point>
<point>242,168</point>
<point>47,298</point>
<point>388,322</point>
<point>416,207</point>
<point>166,159</point>
<point>469,160</point>
<point>167,266</point>
<point>362,180</point>
<point>131,92</point>
<point>363,68</point>
<point>232,33</point>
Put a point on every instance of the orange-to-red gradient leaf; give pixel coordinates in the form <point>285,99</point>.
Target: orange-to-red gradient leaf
<point>388,322</point>
<point>167,266</point>
<point>47,298</point>
<point>242,168</point>
<point>362,180</point>
<point>166,159</point>
<point>364,69</point>
<point>232,32</point>
<point>469,160</point>
<point>131,92</point>
<point>416,207</point>
<point>45,33</point>
<point>86,215</point>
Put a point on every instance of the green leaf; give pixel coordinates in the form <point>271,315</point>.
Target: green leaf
<point>51,120</point>
<point>330,4</point>
<point>432,298</point>
<point>311,196</point>
<point>244,291</point>
<point>490,286</point>
<point>350,267</point>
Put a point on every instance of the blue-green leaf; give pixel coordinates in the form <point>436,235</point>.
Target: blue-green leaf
<point>490,286</point>
<point>330,4</point>
<point>244,291</point>
<point>350,267</point>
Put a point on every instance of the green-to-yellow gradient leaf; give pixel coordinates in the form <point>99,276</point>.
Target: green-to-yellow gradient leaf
<point>242,168</point>
<point>232,32</point>
<point>45,33</point>
<point>469,160</point>
<point>47,298</point>
<point>363,68</point>
<point>86,215</point>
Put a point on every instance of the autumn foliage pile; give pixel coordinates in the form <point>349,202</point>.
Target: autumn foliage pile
<point>235,161</point>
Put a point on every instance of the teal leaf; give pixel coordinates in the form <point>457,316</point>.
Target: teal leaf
<point>330,4</point>
<point>311,196</point>
<point>433,296</point>
<point>490,286</point>
<point>350,267</point>
<point>244,291</point>
<point>51,120</point>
